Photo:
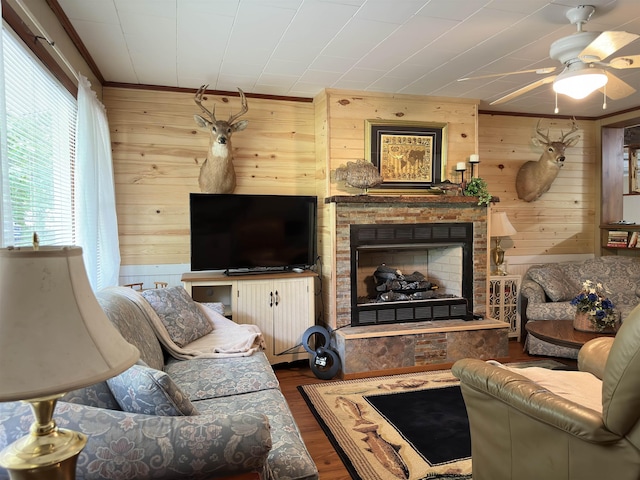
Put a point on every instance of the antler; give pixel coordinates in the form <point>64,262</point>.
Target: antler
<point>198,100</point>
<point>245,108</point>
<point>539,132</point>
<point>574,128</point>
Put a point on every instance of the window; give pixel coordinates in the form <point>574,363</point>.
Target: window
<point>40,123</point>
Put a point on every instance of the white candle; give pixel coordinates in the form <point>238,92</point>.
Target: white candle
<point>474,158</point>
<point>461,166</point>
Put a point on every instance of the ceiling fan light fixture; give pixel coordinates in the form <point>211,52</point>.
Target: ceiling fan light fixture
<point>580,83</point>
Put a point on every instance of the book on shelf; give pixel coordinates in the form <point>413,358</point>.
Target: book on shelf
<point>633,240</point>
<point>618,238</point>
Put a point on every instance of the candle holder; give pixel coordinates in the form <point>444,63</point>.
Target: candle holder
<point>461,167</point>
<point>474,160</point>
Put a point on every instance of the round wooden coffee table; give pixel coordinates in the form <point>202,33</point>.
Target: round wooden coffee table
<point>561,332</point>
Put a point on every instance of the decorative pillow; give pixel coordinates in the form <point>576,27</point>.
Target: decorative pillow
<point>179,313</point>
<point>142,389</point>
<point>217,307</point>
<point>555,283</point>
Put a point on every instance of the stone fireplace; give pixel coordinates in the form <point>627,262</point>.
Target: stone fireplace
<point>441,236</point>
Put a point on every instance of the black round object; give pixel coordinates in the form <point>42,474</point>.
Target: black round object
<point>324,363</point>
<point>315,330</point>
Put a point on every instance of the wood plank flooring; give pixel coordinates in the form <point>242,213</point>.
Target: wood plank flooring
<point>329,464</point>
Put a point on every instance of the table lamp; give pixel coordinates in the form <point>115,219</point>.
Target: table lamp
<point>500,227</point>
<point>54,338</point>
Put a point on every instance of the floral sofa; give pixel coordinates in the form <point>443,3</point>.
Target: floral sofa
<point>547,291</point>
<point>215,411</point>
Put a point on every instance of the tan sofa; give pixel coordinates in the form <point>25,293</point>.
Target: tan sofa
<point>532,424</point>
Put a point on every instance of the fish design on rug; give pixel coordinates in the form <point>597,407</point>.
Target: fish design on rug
<point>404,383</point>
<point>353,409</point>
<point>386,453</point>
<point>446,380</point>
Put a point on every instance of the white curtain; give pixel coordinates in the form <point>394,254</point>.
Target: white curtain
<point>96,200</point>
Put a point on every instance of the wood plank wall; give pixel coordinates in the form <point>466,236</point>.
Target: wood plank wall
<point>158,150</point>
<point>561,221</point>
<point>291,147</point>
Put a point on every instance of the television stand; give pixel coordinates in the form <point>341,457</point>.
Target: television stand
<point>254,271</point>
<point>281,304</point>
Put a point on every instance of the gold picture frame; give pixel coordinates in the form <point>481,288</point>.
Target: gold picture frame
<point>408,155</point>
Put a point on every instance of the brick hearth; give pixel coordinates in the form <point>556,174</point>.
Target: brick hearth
<point>398,346</point>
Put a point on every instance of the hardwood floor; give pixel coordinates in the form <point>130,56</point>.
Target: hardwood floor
<point>329,464</point>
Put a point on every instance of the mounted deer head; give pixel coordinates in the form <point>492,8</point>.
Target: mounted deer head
<point>217,174</point>
<point>535,177</point>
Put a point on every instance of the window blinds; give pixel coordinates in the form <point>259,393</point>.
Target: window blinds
<point>41,117</point>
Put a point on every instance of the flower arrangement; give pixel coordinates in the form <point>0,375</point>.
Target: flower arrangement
<point>593,301</point>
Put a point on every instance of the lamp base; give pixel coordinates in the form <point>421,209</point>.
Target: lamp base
<point>498,259</point>
<point>48,452</point>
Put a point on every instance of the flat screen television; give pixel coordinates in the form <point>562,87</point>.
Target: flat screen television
<point>238,233</point>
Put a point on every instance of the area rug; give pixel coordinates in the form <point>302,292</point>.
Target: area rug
<point>411,426</point>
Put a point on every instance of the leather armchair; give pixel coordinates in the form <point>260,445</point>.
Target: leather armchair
<point>532,424</point>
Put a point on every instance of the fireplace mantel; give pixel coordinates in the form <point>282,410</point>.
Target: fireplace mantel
<point>403,199</point>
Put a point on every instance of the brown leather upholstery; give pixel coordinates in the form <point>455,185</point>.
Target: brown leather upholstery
<point>523,431</point>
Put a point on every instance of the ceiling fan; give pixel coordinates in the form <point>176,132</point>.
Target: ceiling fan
<point>582,54</point>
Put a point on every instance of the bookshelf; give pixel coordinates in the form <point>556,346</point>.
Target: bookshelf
<point>620,239</point>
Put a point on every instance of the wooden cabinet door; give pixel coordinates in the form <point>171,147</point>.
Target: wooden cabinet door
<point>291,317</point>
<point>255,305</point>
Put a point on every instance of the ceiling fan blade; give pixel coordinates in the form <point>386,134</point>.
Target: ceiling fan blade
<point>525,89</point>
<point>605,44</point>
<point>616,89</point>
<point>620,63</point>
<point>539,71</point>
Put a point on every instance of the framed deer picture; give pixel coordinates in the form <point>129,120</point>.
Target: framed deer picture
<point>408,154</point>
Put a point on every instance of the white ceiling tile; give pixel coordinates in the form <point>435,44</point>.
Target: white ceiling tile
<point>233,82</point>
<point>357,38</point>
<point>286,81</point>
<point>378,10</point>
<point>453,9</point>
<point>240,68</point>
<point>332,64</point>
<point>103,11</point>
<point>299,47</point>
<point>402,44</point>
<point>362,75</point>
<point>351,84</point>
<point>205,33</point>
<point>387,84</point>
<point>527,7</point>
<point>208,8</point>
<point>275,66</point>
<point>148,8</point>
<point>108,49</point>
<point>314,25</point>
<point>318,76</point>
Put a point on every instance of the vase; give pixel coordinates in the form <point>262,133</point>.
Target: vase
<point>582,322</point>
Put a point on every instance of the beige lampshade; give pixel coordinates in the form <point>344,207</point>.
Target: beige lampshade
<point>54,336</point>
<point>500,225</point>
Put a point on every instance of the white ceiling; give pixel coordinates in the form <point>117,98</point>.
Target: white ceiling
<point>299,47</point>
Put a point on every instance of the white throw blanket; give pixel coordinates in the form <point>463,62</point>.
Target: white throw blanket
<point>228,339</point>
